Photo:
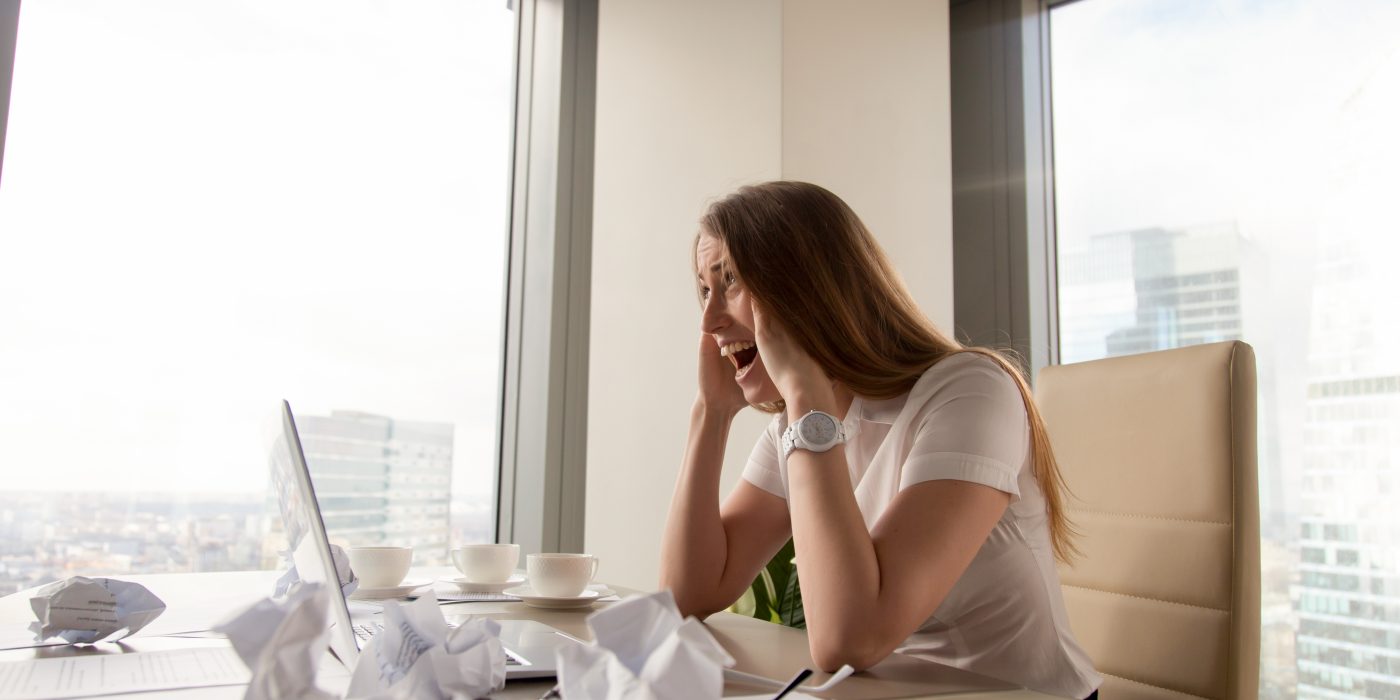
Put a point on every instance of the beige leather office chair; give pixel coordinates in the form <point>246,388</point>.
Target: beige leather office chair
<point>1159,452</point>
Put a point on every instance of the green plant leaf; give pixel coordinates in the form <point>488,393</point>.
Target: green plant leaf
<point>777,595</point>
<point>791,612</point>
<point>779,568</point>
<point>762,596</point>
<point>746,605</point>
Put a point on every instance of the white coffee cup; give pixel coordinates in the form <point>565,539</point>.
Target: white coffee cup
<point>560,575</point>
<point>381,567</point>
<point>486,563</point>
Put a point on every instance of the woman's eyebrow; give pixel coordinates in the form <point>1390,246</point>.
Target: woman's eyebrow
<point>716,267</point>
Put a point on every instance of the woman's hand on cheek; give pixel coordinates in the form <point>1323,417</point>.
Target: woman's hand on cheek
<point>792,370</point>
<point>718,390</point>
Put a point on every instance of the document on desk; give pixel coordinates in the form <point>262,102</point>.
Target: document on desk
<point>17,635</point>
<point>111,674</point>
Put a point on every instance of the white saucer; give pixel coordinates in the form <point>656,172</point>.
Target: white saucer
<point>529,597</point>
<point>602,590</point>
<point>465,586</point>
<point>399,591</point>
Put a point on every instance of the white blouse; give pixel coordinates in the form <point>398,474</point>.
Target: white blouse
<point>965,420</point>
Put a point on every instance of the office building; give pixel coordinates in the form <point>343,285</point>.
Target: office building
<point>1349,594</point>
<point>1150,289</point>
<point>1348,597</point>
<point>381,481</point>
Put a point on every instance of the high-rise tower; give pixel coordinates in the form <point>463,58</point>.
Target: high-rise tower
<point>381,481</point>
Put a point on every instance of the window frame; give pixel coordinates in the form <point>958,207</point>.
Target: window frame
<point>9,33</point>
<point>1005,283</point>
<point>542,441</point>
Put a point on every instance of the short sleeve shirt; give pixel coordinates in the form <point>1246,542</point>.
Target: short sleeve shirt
<point>965,420</point>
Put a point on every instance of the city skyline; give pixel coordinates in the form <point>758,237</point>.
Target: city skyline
<point>45,537</point>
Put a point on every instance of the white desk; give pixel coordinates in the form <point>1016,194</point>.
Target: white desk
<point>197,601</point>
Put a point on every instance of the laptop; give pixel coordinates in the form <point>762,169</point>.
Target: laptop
<point>530,646</point>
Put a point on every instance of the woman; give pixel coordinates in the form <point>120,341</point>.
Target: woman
<point>914,475</point>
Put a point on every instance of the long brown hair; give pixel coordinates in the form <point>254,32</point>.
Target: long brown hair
<point>809,260</point>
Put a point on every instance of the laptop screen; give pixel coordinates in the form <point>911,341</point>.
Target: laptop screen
<point>306,532</point>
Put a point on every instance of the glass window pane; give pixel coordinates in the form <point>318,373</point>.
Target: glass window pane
<point>1226,170</point>
<point>208,207</point>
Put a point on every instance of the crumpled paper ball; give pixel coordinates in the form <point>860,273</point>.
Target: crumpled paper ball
<point>83,610</point>
<point>643,650</point>
<point>282,641</point>
<point>417,655</point>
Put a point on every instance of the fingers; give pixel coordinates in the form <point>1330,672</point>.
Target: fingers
<point>760,321</point>
<point>767,330</point>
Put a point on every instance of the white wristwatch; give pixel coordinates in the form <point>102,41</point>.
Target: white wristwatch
<point>817,431</point>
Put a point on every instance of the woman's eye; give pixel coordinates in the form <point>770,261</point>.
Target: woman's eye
<point>704,292</point>
<point>730,282</point>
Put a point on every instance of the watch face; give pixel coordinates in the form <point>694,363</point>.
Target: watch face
<point>818,429</point>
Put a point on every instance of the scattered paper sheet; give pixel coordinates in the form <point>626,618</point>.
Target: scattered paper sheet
<point>416,655</point>
<point>83,610</point>
<point>18,635</point>
<point>110,674</point>
<point>734,676</point>
<point>643,650</point>
<point>282,642</point>
<point>454,597</point>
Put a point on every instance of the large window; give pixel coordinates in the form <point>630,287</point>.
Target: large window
<point>1227,170</point>
<point>208,207</point>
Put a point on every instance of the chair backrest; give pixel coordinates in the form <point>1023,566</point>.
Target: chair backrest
<point>1159,454</point>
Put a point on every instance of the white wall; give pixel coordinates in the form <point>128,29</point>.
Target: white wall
<point>695,99</point>
<point>866,114</point>
<point>689,102</point>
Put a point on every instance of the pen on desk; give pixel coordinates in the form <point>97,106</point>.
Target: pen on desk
<point>792,684</point>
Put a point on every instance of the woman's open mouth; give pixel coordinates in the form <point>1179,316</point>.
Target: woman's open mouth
<point>742,354</point>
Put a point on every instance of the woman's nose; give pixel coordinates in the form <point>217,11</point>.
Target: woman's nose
<point>713,317</point>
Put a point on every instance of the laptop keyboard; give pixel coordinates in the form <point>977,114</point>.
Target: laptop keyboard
<point>365,632</point>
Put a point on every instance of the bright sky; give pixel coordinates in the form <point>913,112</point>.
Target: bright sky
<point>207,207</point>
<point>1172,113</point>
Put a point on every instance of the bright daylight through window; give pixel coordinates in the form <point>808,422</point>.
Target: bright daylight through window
<point>208,207</point>
<point>1226,170</point>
